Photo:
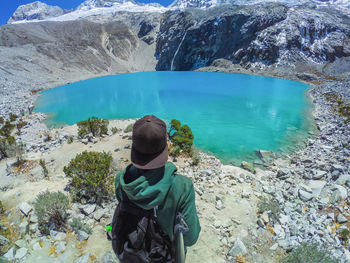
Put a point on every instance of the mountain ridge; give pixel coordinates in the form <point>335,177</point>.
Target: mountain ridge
<point>38,11</point>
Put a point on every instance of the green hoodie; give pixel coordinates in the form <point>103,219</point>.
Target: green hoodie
<point>162,187</point>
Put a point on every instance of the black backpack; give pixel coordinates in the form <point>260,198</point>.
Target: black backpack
<point>137,237</point>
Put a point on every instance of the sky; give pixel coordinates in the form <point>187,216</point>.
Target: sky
<point>8,7</point>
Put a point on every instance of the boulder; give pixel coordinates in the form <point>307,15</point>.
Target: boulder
<point>21,253</point>
<point>82,235</point>
<point>25,208</point>
<point>238,248</point>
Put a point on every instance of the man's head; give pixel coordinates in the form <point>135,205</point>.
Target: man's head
<point>149,143</point>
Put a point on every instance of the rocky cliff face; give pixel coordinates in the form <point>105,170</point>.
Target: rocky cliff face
<point>35,11</point>
<point>256,36</point>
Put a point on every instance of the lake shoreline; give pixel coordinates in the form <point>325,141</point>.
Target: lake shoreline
<point>309,175</point>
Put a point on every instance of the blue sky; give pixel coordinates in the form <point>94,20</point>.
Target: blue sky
<point>8,7</point>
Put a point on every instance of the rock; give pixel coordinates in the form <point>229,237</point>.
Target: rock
<point>33,218</point>
<point>57,236</point>
<point>238,248</point>
<point>283,173</point>
<point>21,253</point>
<point>263,154</point>
<point>21,243</point>
<point>341,219</point>
<point>319,175</point>
<point>25,208</point>
<point>245,193</point>
<point>82,235</point>
<point>60,246</point>
<point>83,259</point>
<point>343,179</point>
<point>36,246</point>
<point>261,223</point>
<point>265,217</point>
<point>23,227</point>
<point>3,241</point>
<point>316,186</point>
<point>98,214</point>
<point>274,247</point>
<point>219,205</point>
<point>305,196</point>
<point>280,234</point>
<point>88,209</point>
<point>10,254</point>
<point>248,166</point>
<point>339,193</point>
<point>109,257</point>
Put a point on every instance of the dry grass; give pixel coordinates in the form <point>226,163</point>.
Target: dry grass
<point>241,259</point>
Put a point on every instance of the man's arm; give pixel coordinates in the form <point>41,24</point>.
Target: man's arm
<point>188,210</point>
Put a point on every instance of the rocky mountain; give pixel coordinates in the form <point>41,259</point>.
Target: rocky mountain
<point>265,37</point>
<point>36,11</point>
<point>270,38</point>
<point>182,4</point>
<point>90,4</point>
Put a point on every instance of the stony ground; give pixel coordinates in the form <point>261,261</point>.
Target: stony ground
<point>298,197</point>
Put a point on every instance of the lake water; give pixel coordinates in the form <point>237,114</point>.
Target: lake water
<point>231,115</point>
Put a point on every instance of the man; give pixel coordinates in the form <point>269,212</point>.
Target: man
<point>151,182</point>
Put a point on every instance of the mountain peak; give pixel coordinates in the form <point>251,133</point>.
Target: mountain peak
<point>91,4</point>
<point>35,11</point>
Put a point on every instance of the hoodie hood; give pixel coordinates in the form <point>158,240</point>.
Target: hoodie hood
<point>150,188</point>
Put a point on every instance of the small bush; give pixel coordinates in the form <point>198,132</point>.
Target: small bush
<point>271,206</point>
<point>11,140</point>
<point>89,173</point>
<point>174,150</point>
<point>42,163</point>
<point>7,129</point>
<point>13,117</point>
<point>20,125</point>
<point>114,130</point>
<point>129,128</point>
<point>77,225</point>
<point>344,235</point>
<point>47,137</point>
<point>308,253</point>
<point>2,210</point>
<point>51,207</point>
<point>181,136</point>
<point>1,120</point>
<point>70,139</point>
<point>196,158</point>
<point>93,125</point>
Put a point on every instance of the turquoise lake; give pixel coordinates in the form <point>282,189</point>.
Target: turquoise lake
<point>231,115</point>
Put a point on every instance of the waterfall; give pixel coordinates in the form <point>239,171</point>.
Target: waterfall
<point>177,50</point>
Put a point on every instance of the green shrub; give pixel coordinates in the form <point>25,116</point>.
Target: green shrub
<point>70,139</point>
<point>93,125</point>
<point>9,148</point>
<point>344,235</point>
<point>196,158</point>
<point>7,129</point>
<point>129,128</point>
<point>50,208</point>
<point>21,124</point>
<point>181,136</point>
<point>11,140</point>
<point>270,206</point>
<point>2,210</point>
<point>77,225</point>
<point>174,150</point>
<point>114,130</point>
<point>308,253</point>
<point>13,117</point>
<point>89,176</point>
<point>42,163</point>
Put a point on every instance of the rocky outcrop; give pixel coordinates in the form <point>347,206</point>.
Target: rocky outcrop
<point>258,36</point>
<point>35,11</point>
